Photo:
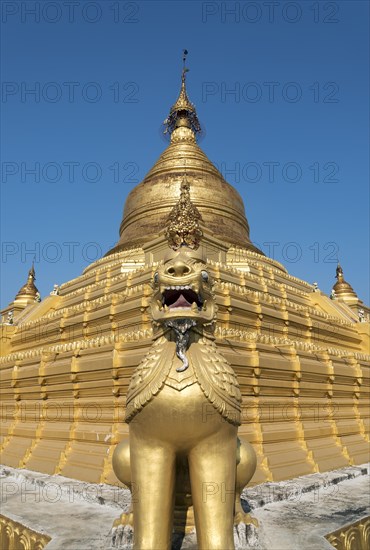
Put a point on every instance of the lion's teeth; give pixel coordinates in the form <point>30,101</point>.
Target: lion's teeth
<point>205,305</point>
<point>159,304</point>
<point>187,287</point>
<point>172,287</point>
<point>165,307</point>
<point>177,287</point>
<point>194,306</point>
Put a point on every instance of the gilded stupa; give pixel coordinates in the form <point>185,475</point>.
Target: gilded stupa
<point>301,358</point>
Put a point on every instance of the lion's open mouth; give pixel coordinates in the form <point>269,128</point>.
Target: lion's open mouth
<point>181,297</point>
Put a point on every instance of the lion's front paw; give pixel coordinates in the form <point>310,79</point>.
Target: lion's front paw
<point>242,517</point>
<point>127,518</point>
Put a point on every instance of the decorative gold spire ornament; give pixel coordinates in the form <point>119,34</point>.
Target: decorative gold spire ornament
<point>182,113</point>
<point>183,222</point>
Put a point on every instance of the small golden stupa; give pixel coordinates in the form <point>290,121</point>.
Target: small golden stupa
<point>27,294</point>
<point>343,290</point>
<point>301,358</point>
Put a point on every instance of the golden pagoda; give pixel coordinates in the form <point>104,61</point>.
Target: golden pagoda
<point>27,294</point>
<point>301,358</point>
<point>343,290</point>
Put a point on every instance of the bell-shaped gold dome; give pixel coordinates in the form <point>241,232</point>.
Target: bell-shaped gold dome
<point>341,288</point>
<point>149,204</point>
<point>29,290</point>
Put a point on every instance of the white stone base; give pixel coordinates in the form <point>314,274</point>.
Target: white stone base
<point>294,514</point>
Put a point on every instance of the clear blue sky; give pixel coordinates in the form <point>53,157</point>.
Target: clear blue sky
<point>281,88</point>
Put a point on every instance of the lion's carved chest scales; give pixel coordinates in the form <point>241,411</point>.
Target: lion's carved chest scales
<point>207,368</point>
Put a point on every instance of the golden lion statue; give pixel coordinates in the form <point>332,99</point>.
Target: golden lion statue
<point>183,409</point>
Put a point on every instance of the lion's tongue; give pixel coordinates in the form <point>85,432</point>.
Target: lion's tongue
<point>180,302</point>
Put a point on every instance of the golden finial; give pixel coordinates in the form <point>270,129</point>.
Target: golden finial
<point>183,227</point>
<point>184,67</point>
<point>339,272</point>
<point>183,102</point>
<point>182,112</point>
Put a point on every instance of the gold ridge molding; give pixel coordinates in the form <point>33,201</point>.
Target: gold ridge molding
<point>351,537</point>
<point>15,536</point>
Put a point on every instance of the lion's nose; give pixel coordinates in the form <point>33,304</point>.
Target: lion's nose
<point>178,269</point>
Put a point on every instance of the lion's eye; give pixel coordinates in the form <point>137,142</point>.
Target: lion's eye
<point>156,277</point>
<point>204,276</point>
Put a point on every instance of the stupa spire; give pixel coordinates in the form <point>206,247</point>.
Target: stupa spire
<point>182,113</point>
<point>150,203</point>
